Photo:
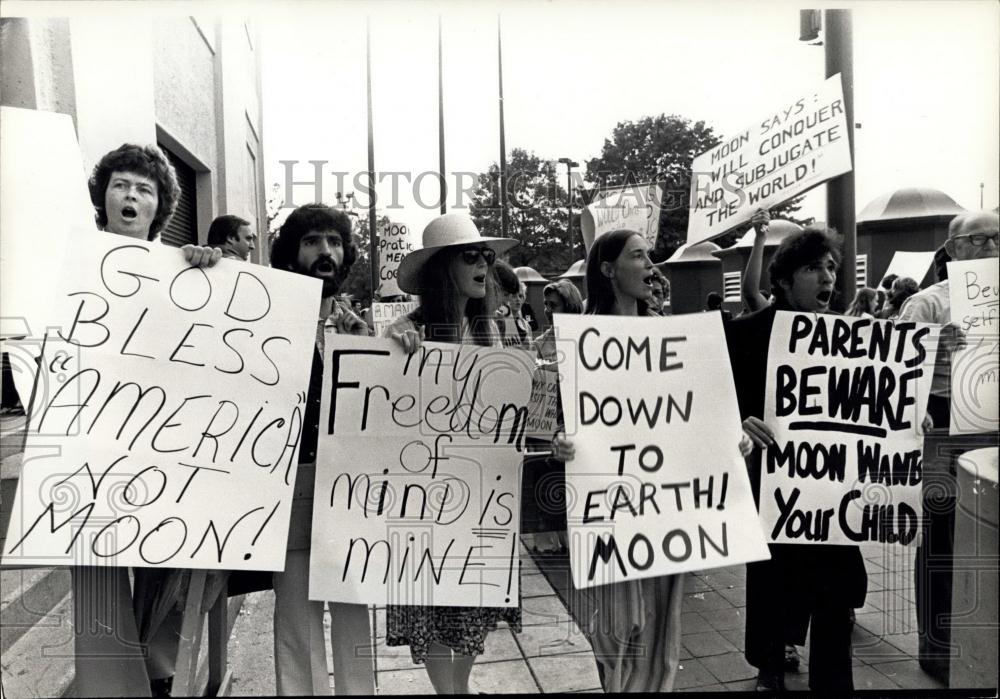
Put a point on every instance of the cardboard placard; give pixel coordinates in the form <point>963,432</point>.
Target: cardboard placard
<point>800,145</point>
<point>646,496</point>
<point>974,289</point>
<point>635,207</point>
<point>165,426</point>
<point>384,314</point>
<point>394,243</point>
<point>909,264</point>
<point>845,398</point>
<point>418,474</point>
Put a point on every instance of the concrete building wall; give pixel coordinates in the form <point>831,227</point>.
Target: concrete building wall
<point>190,83</point>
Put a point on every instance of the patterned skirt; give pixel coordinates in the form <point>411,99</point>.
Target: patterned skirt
<point>462,629</point>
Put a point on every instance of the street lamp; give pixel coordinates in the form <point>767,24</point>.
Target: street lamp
<point>570,164</point>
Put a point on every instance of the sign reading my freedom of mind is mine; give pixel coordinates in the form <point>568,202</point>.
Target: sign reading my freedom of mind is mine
<point>645,497</point>
<point>420,502</point>
<point>845,398</point>
<point>165,426</point>
<point>800,145</point>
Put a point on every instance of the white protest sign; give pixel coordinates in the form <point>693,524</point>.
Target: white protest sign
<point>657,485</point>
<point>975,300</point>
<point>383,314</point>
<point>418,474</point>
<point>165,428</point>
<point>845,398</point>
<point>543,407</point>
<point>44,193</point>
<point>779,156</point>
<point>910,264</point>
<point>635,207</point>
<point>394,243</point>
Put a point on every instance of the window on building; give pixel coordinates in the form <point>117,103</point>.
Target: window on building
<point>182,228</point>
<point>731,286</point>
<point>862,271</point>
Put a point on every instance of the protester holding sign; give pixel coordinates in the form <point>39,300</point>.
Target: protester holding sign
<point>458,298</point>
<point>560,296</point>
<point>971,236</point>
<point>753,300</point>
<point>134,191</point>
<point>315,240</point>
<point>800,583</point>
<point>633,625</point>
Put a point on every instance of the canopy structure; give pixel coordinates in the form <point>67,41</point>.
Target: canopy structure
<point>575,271</point>
<point>909,203</point>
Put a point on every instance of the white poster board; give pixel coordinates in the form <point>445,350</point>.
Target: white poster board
<point>394,243</point>
<point>44,193</point>
<point>165,428</point>
<point>975,302</point>
<point>845,398</point>
<point>803,143</point>
<point>418,474</point>
<point>635,207</point>
<point>657,485</point>
<point>383,314</point>
<point>910,264</point>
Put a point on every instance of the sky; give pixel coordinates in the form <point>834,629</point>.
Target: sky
<point>926,86</point>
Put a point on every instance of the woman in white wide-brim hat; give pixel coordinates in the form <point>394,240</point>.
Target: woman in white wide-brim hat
<point>458,297</point>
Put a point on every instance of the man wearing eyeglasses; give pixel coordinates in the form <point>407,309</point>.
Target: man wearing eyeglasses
<point>971,236</point>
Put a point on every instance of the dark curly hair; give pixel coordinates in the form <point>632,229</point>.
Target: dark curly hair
<point>148,161</point>
<point>800,249</point>
<point>313,217</point>
<point>600,292</point>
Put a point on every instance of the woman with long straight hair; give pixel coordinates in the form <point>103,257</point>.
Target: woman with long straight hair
<point>453,275</point>
<point>633,626</point>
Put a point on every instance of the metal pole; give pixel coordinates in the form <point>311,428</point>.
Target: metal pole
<point>441,170</point>
<point>503,144</point>
<point>840,191</point>
<point>372,230</point>
<point>569,199</point>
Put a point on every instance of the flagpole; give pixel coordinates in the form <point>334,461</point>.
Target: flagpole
<point>503,144</point>
<point>372,231</point>
<point>441,170</point>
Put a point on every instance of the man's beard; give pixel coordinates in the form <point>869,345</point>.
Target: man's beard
<point>330,284</point>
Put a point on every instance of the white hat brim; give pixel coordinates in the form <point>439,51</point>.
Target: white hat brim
<point>411,266</point>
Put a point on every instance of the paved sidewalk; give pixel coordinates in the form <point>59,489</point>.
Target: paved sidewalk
<point>552,655</point>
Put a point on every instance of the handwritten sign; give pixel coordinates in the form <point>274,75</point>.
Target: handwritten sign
<point>645,496</point>
<point>783,154</point>
<point>975,301</point>
<point>635,207</point>
<point>418,474</point>
<point>910,264</point>
<point>543,407</point>
<point>845,398</point>
<point>394,243</point>
<point>166,424</point>
<point>383,314</point>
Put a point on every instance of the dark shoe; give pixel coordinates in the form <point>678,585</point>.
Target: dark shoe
<point>161,688</point>
<point>791,658</point>
<point>770,681</point>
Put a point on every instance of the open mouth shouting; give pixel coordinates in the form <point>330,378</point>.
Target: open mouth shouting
<point>129,214</point>
<point>479,279</point>
<point>324,267</point>
<point>823,298</point>
<point>648,280</point>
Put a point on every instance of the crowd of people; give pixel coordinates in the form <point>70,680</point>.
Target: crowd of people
<point>468,294</point>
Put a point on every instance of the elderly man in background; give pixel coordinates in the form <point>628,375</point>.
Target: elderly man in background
<point>971,236</point>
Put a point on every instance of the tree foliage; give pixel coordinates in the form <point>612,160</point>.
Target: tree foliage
<point>661,149</point>
<point>537,212</point>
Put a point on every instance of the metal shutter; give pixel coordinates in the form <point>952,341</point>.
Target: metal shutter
<point>182,228</point>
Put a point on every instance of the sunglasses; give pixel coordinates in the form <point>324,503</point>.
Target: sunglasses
<point>979,239</point>
<point>471,255</point>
